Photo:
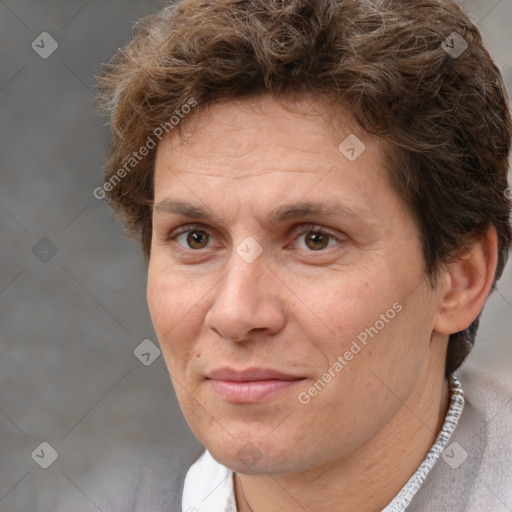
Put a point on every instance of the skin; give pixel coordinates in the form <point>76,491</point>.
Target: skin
<point>297,308</point>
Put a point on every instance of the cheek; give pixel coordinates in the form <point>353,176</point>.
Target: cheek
<point>369,320</point>
<point>171,296</point>
<point>176,312</point>
<point>345,307</point>
<point>163,307</point>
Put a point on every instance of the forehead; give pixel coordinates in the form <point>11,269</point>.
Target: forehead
<point>262,151</point>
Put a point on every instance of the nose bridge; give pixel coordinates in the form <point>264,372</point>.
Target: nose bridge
<point>247,267</point>
<point>242,299</point>
<point>242,286</point>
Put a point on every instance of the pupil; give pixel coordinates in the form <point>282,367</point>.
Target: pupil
<point>318,241</point>
<point>196,239</point>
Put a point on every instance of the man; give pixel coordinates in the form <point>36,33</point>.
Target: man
<point>320,190</point>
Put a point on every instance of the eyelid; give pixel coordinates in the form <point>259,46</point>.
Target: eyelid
<point>315,228</point>
<point>188,227</point>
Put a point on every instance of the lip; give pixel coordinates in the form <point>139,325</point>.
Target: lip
<point>250,374</point>
<point>251,385</point>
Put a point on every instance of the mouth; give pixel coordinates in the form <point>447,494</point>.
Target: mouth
<point>251,385</point>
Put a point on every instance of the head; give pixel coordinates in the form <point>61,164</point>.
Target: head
<point>310,180</point>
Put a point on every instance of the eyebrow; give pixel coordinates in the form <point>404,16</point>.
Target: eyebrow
<point>284,212</point>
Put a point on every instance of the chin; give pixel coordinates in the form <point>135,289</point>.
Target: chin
<point>253,458</point>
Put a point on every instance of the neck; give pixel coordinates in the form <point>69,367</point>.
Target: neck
<point>366,480</point>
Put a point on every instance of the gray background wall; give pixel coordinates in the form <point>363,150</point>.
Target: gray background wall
<point>70,321</point>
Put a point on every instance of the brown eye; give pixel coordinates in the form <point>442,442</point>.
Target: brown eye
<point>197,239</point>
<point>313,238</point>
<point>316,241</point>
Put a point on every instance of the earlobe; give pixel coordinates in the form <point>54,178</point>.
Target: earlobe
<point>467,283</point>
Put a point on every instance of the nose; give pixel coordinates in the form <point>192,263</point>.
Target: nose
<point>246,302</point>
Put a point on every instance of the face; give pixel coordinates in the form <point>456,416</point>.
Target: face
<point>285,284</point>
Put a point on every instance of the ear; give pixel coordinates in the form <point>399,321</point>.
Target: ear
<point>466,284</point>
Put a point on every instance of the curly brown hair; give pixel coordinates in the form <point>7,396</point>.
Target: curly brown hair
<point>445,116</point>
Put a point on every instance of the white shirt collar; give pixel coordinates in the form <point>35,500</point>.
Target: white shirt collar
<point>209,486</point>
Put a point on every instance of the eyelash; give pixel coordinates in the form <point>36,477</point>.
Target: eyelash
<point>297,232</point>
